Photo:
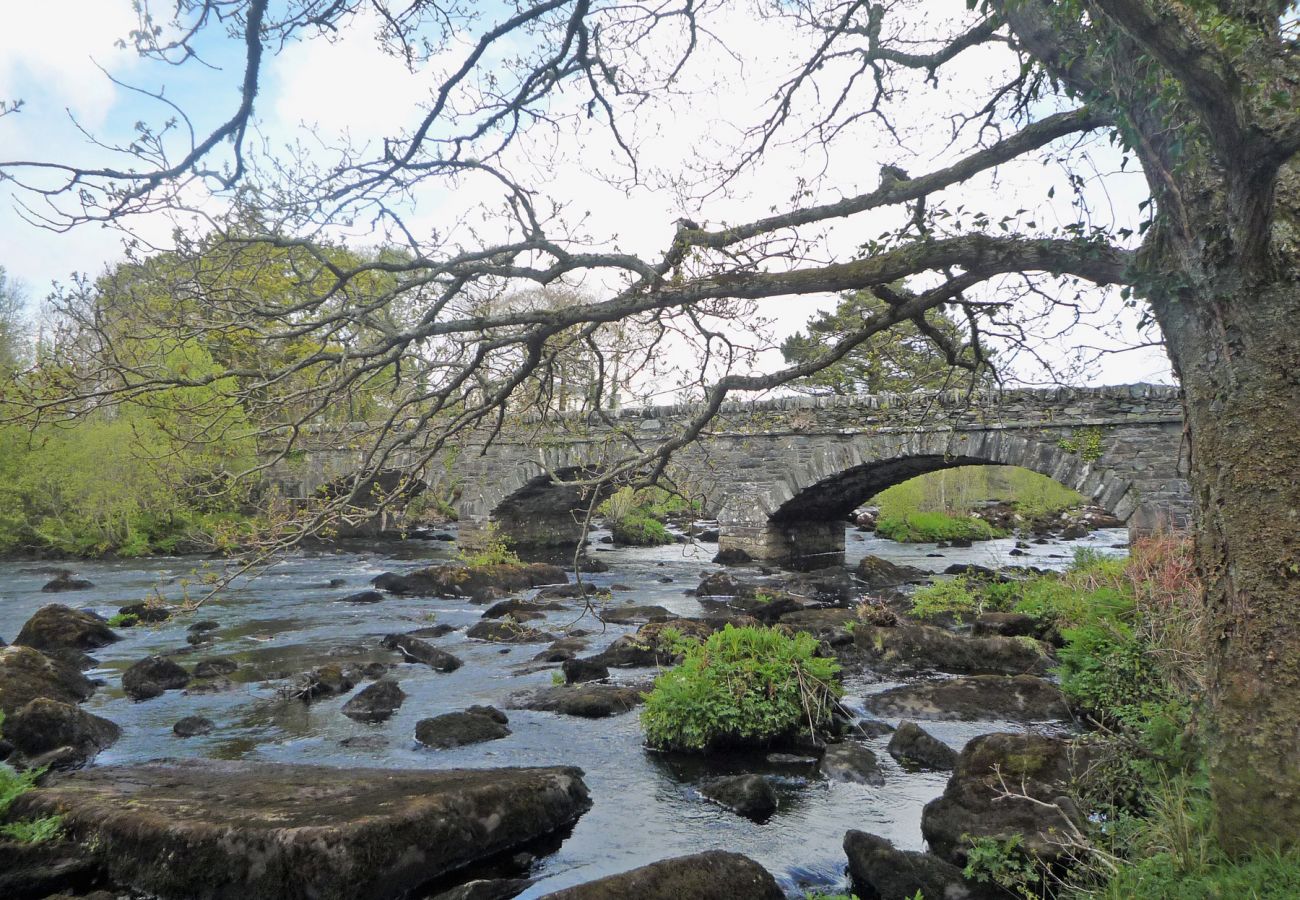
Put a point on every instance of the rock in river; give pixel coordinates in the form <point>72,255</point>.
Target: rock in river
<point>913,744</point>
<point>751,796</point>
<point>587,701</point>
<point>976,804</point>
<point>715,875</point>
<point>878,869</point>
<point>415,650</point>
<point>375,703</point>
<point>852,762</point>
<point>59,627</point>
<point>1022,698</point>
<point>26,674</point>
<point>153,675</point>
<point>298,832</point>
<point>65,581</point>
<point>912,648</point>
<point>473,726</point>
<point>44,725</point>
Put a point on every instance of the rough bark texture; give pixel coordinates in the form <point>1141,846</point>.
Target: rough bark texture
<point>1239,358</point>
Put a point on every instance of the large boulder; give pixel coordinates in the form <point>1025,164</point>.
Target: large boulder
<point>1019,698</point>
<point>473,726</point>
<point>26,674</point>
<point>298,832</point>
<point>59,627</point>
<point>479,582</point>
<point>153,675</point>
<point>586,701</point>
<point>913,745</point>
<point>521,610</point>
<point>413,649</point>
<point>751,796</point>
<point>916,648</point>
<point>45,725</point>
<point>1007,785</point>
<point>375,703</point>
<point>714,875</point>
<point>880,871</point>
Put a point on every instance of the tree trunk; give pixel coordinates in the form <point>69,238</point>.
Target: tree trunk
<point>1238,355</point>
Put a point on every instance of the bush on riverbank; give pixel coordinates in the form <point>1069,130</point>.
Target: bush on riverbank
<point>740,687</point>
<point>1133,663</point>
<point>932,527</point>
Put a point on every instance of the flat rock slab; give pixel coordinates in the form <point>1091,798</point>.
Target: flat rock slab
<point>262,830</point>
<point>1020,698</point>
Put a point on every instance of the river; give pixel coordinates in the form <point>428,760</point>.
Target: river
<point>287,620</point>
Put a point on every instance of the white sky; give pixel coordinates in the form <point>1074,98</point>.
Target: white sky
<point>50,54</point>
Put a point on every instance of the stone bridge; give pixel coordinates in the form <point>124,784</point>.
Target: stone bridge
<point>781,475</point>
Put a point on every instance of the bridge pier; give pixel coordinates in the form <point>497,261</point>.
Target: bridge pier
<point>794,544</point>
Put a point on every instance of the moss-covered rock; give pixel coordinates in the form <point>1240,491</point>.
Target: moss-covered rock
<point>299,832</point>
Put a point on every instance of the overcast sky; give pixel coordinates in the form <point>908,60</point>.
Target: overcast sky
<point>54,56</point>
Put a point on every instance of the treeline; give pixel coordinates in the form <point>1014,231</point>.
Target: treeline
<point>165,465</point>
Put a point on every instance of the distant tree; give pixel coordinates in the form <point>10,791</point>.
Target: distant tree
<point>927,353</point>
<point>15,349</point>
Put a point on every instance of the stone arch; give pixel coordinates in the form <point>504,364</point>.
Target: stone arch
<point>798,516</point>
<point>529,500</point>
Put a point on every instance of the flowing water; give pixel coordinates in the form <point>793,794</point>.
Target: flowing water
<point>288,620</point>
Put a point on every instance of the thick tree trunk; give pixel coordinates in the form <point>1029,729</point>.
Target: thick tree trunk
<point>1239,359</point>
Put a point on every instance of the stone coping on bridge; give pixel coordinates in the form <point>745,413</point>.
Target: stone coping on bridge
<point>950,399</point>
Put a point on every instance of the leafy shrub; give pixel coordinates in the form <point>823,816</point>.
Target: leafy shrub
<point>495,551</point>
<point>1005,863</point>
<point>639,531</point>
<point>948,597</point>
<point>741,686</point>
<point>926,527</point>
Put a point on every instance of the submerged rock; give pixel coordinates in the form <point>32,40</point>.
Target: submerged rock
<point>473,726</point>
<point>751,796</point>
<point>363,597</point>
<point>913,744</point>
<point>1020,698</point>
<point>415,650</point>
<point>851,762</point>
<point>213,666</point>
<point>976,804</point>
<point>913,648</point>
<point>323,681</point>
<point>193,726</point>
<point>587,701</point>
<point>375,703</point>
<point>26,674</point>
<point>45,725</point>
<point>878,869</point>
<point>715,875</point>
<point>298,832</point>
<point>151,676</point>
<point>58,627</point>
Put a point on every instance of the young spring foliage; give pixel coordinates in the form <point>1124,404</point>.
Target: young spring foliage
<point>741,686</point>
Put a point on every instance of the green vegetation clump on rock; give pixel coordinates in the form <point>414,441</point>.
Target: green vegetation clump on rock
<point>636,517</point>
<point>741,687</point>
<point>928,527</point>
